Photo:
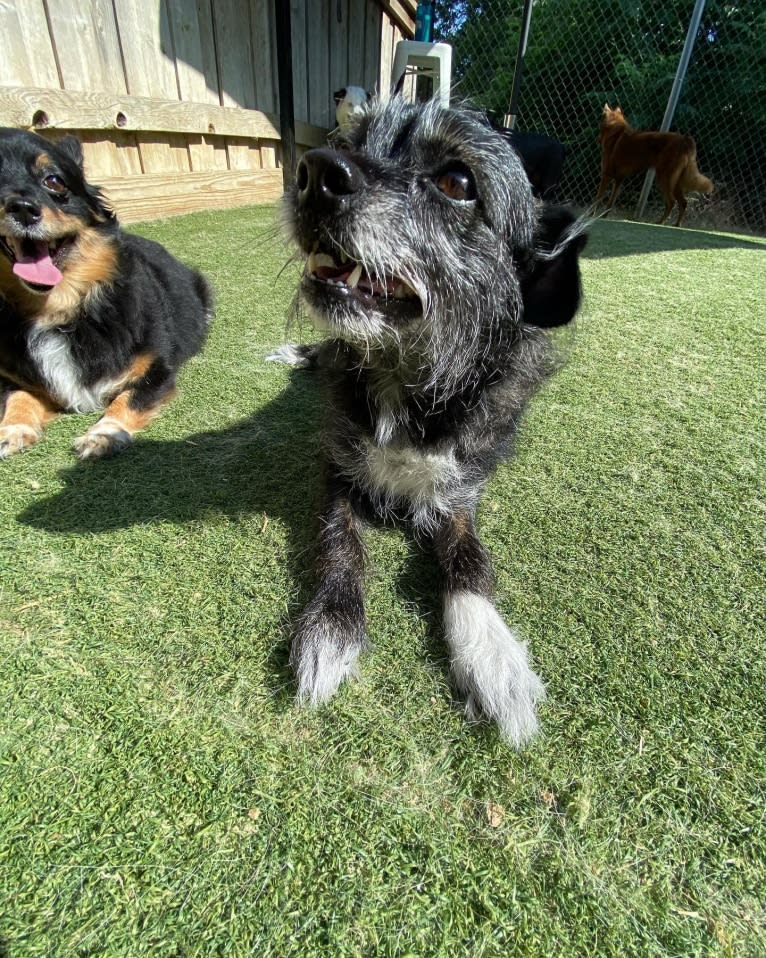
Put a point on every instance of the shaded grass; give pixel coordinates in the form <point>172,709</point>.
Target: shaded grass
<point>161,795</point>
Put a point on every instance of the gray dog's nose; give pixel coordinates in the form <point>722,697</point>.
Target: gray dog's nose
<point>327,178</point>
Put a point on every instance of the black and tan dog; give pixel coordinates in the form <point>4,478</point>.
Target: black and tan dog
<point>91,318</point>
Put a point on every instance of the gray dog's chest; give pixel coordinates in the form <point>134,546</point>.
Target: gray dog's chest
<point>404,471</point>
<point>398,470</point>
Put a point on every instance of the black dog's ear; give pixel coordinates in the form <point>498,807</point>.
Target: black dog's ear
<point>550,279</point>
<point>339,95</point>
<point>73,149</point>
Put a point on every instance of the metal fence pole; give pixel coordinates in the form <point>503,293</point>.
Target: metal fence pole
<point>286,102</point>
<point>509,121</point>
<point>675,92</point>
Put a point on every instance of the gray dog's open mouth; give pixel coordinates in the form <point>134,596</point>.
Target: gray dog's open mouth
<point>350,278</point>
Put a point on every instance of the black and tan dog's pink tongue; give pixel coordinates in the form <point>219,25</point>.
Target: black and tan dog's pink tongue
<point>37,266</point>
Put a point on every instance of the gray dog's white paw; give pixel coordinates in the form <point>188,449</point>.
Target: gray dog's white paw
<point>491,666</point>
<point>322,657</point>
<point>290,355</point>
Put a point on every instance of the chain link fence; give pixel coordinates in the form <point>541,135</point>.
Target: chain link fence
<point>583,53</point>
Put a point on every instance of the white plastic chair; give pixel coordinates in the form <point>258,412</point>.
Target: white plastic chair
<point>429,59</point>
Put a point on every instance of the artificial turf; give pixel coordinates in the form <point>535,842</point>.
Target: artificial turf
<point>162,795</point>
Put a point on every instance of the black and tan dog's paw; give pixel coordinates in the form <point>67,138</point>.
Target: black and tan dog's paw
<point>103,440</point>
<point>15,439</point>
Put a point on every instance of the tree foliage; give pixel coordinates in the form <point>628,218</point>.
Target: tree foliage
<point>582,53</point>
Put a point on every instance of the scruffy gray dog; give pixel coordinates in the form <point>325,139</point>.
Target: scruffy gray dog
<point>432,272</point>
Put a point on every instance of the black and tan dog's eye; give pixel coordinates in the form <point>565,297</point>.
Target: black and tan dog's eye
<point>54,184</point>
<point>457,185</point>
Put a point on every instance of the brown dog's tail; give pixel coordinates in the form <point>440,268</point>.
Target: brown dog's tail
<point>691,178</point>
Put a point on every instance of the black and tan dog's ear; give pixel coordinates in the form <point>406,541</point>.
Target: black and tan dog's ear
<point>550,280</point>
<point>73,149</point>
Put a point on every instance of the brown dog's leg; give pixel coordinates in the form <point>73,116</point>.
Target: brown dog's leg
<point>666,211</point>
<point>665,186</point>
<point>116,428</point>
<point>615,193</point>
<point>23,420</point>
<point>602,188</point>
<point>681,200</point>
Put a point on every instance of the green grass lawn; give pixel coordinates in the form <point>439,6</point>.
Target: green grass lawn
<point>160,793</point>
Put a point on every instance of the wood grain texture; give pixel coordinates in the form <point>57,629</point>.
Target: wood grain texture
<point>26,50</point>
<point>193,50</point>
<point>321,106</point>
<point>87,45</point>
<point>153,195</point>
<point>100,111</point>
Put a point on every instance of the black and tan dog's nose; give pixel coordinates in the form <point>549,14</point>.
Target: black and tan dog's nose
<point>26,212</point>
<point>327,179</point>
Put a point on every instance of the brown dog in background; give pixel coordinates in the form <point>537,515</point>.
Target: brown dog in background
<point>625,151</point>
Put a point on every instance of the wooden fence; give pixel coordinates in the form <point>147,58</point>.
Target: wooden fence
<point>176,101</point>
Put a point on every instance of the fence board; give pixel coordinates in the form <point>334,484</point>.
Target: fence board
<point>356,47</point>
<point>235,53</point>
<point>118,156</point>
<point>319,93</point>
<point>386,59</point>
<point>144,197</point>
<point>193,49</point>
<point>269,154</point>
<point>244,154</point>
<point>164,153</point>
<point>300,60</point>
<point>339,76</point>
<point>264,60</point>
<point>26,51</point>
<point>148,69</point>
<point>207,153</point>
<point>373,38</point>
<point>102,111</point>
<point>87,45</point>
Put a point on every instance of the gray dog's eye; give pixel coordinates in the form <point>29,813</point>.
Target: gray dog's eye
<point>457,185</point>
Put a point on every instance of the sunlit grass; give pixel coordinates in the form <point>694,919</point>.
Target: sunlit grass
<point>162,795</point>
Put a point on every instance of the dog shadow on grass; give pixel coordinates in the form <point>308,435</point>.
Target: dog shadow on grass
<point>262,464</point>
<point>264,467</point>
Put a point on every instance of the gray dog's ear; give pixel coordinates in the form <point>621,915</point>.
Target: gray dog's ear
<point>550,276</point>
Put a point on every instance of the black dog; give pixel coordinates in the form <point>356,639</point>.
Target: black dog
<point>91,318</point>
<point>432,271</point>
<point>542,157</point>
